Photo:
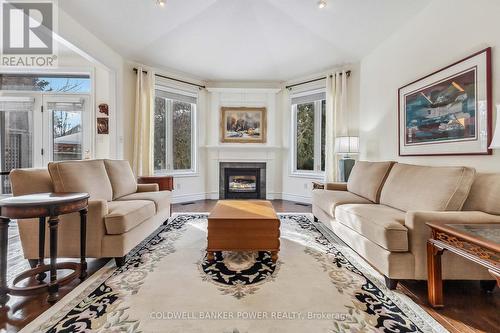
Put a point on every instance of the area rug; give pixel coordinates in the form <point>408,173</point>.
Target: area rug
<point>166,285</point>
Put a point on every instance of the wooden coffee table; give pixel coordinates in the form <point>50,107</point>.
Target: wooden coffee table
<point>243,225</point>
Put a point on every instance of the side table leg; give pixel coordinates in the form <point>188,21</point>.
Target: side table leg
<point>53,285</point>
<point>434,279</point>
<point>41,248</point>
<point>4,240</point>
<point>83,243</point>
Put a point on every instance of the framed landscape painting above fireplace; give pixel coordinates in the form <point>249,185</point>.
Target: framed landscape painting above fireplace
<point>448,112</point>
<point>243,125</point>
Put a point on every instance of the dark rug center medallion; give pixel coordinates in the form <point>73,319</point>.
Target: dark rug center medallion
<point>240,269</point>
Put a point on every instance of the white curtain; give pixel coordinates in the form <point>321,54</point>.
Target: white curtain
<point>336,120</point>
<point>142,163</point>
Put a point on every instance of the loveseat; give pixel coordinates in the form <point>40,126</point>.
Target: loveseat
<point>121,213</point>
<point>381,213</point>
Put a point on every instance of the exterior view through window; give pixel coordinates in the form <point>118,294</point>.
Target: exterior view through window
<point>173,132</point>
<point>309,129</point>
<point>43,118</point>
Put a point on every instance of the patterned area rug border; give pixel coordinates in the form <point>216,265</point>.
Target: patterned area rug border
<point>72,299</point>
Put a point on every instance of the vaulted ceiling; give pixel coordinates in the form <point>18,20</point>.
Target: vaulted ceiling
<point>243,39</point>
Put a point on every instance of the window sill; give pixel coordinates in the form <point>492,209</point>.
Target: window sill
<point>180,174</point>
<point>310,175</point>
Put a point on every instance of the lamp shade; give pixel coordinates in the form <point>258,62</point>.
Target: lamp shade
<point>495,143</point>
<point>347,144</point>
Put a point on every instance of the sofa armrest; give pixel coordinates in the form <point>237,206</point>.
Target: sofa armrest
<point>336,186</point>
<point>419,232</point>
<point>147,188</point>
<point>330,186</point>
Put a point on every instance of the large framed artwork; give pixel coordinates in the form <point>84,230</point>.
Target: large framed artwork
<point>243,125</point>
<point>448,112</point>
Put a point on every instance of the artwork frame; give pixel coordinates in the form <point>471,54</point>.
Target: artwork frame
<point>102,125</point>
<point>252,115</point>
<point>448,112</point>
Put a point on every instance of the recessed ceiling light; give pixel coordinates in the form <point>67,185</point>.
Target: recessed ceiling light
<point>160,3</point>
<point>322,4</point>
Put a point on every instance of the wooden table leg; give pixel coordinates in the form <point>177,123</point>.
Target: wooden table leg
<point>53,285</point>
<point>41,248</point>
<point>83,243</point>
<point>434,279</point>
<point>4,241</point>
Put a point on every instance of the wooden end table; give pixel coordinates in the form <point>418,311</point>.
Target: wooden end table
<point>479,243</point>
<point>243,225</point>
<point>41,206</point>
<point>165,183</point>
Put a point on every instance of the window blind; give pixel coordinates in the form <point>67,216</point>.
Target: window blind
<point>309,98</point>
<point>176,96</point>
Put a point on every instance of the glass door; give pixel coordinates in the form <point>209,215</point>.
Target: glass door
<point>67,127</point>
<point>16,136</point>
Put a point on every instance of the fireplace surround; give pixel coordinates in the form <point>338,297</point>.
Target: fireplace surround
<point>242,180</point>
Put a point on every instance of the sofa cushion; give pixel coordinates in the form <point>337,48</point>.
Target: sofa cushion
<point>415,187</point>
<point>121,177</point>
<point>82,176</point>
<point>484,195</point>
<point>367,179</point>
<point>125,215</point>
<point>380,224</point>
<point>329,200</point>
<point>161,199</point>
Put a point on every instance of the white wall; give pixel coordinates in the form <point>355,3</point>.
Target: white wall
<point>108,66</point>
<point>246,95</point>
<point>443,33</point>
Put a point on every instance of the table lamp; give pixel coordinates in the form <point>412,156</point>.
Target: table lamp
<point>346,145</point>
<point>495,143</point>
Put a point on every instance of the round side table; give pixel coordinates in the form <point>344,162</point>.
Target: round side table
<point>41,206</point>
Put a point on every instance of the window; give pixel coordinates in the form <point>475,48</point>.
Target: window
<point>43,118</point>
<point>47,83</point>
<point>308,115</point>
<point>174,143</point>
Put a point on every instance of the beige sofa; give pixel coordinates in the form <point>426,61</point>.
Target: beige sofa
<point>381,213</point>
<point>121,213</point>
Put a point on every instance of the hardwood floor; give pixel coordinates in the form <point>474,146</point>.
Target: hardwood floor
<point>467,308</point>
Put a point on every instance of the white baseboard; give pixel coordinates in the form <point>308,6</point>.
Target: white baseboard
<point>215,196</point>
<point>296,198</point>
<point>188,197</point>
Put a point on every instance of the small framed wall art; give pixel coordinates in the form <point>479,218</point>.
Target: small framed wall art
<point>448,112</point>
<point>243,125</point>
<point>102,125</point>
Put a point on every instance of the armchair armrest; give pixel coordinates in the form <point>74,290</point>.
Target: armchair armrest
<point>419,232</point>
<point>147,188</point>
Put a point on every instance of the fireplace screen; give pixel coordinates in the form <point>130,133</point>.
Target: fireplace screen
<point>242,183</point>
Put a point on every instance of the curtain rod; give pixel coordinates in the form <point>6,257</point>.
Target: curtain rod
<point>348,73</point>
<point>173,79</point>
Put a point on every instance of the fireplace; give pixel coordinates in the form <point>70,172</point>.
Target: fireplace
<point>242,181</point>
